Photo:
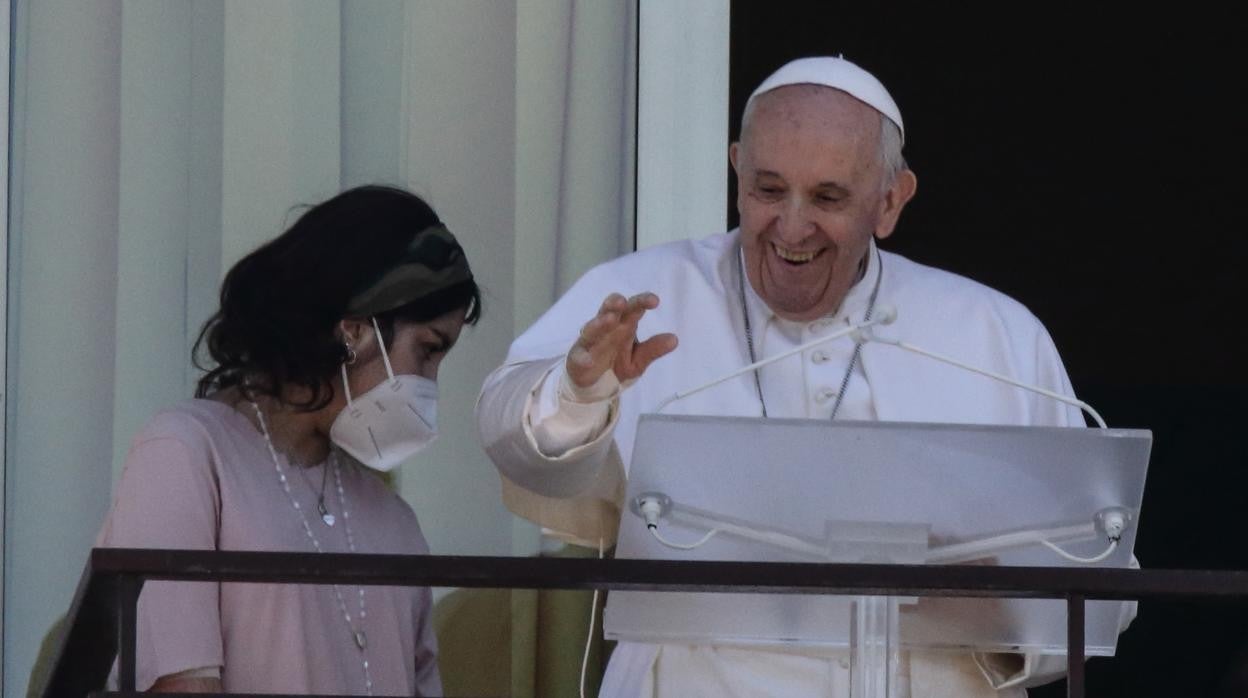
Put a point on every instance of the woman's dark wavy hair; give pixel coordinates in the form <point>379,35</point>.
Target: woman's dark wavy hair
<point>281,304</point>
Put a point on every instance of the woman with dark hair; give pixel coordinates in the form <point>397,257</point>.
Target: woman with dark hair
<point>324,359</point>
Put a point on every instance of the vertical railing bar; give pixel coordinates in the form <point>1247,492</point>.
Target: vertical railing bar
<point>1075,645</point>
<point>127,620</point>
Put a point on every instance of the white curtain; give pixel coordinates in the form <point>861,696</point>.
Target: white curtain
<point>545,98</point>
<point>154,142</point>
<point>61,337</point>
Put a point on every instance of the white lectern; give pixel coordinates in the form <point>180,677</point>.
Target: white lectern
<point>776,490</point>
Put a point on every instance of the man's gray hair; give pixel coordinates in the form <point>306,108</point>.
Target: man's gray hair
<point>890,152</point>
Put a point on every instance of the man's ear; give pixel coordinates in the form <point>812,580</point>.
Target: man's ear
<point>905,184</point>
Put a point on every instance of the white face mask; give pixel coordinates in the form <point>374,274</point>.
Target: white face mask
<point>390,423</point>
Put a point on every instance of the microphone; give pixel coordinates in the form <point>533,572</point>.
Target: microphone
<point>884,316</point>
<point>864,335</point>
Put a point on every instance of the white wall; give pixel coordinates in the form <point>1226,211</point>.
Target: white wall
<point>5,8</point>
<point>682,123</point>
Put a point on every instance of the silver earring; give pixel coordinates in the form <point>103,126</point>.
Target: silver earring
<point>350,354</point>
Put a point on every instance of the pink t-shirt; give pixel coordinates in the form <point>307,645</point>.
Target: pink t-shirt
<point>199,476</point>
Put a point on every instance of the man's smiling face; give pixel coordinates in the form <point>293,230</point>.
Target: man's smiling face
<point>811,193</point>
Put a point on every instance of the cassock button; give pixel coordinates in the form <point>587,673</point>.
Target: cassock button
<point>818,326</point>
<point>824,395</point>
<point>820,357</point>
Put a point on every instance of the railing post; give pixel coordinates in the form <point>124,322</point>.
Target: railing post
<point>127,619</point>
<point>1074,645</point>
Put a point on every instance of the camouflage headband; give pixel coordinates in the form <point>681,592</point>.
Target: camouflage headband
<point>433,262</point>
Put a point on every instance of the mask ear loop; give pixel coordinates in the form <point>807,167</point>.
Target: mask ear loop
<point>384,356</point>
<point>345,385</point>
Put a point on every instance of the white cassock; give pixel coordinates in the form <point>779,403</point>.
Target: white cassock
<point>564,461</point>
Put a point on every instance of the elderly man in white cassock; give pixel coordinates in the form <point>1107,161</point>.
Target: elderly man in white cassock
<point>820,177</point>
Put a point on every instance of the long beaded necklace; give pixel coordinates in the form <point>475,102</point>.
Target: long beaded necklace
<point>357,634</point>
<point>749,334</point>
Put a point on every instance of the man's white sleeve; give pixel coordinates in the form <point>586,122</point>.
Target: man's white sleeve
<point>573,486</point>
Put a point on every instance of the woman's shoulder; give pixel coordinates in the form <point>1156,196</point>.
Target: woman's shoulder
<point>169,495</point>
<point>201,432</point>
<point>196,421</point>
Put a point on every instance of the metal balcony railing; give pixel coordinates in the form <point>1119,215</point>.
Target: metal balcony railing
<point>102,618</point>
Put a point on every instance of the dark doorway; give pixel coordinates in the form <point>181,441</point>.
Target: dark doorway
<point>1089,163</point>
